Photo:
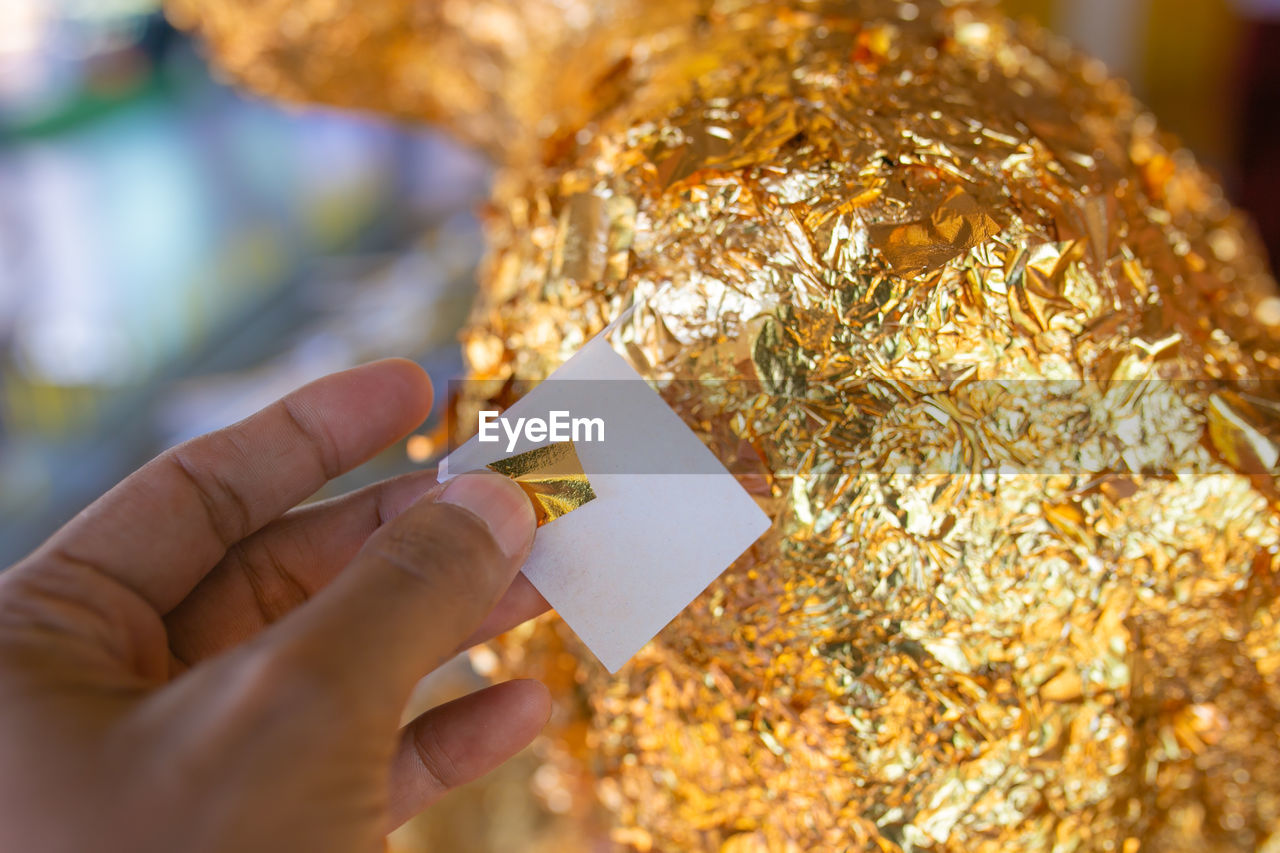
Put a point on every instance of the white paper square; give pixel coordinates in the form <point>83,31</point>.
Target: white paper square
<point>619,568</point>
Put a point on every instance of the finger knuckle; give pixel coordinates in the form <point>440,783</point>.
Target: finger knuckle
<point>433,754</point>
<point>314,433</point>
<point>227,510</point>
<point>275,588</point>
<point>67,598</point>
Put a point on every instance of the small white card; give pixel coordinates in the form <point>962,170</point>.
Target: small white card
<point>668,517</point>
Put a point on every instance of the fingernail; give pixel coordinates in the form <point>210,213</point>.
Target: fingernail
<point>499,503</point>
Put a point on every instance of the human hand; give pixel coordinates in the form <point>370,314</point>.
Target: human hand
<point>191,664</point>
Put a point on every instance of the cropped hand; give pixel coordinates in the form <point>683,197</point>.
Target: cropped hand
<point>194,664</point>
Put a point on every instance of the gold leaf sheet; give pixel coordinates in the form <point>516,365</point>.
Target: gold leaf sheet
<point>551,476</point>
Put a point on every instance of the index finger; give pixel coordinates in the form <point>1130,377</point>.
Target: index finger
<point>164,527</point>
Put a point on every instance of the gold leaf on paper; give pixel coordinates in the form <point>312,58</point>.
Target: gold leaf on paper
<point>551,476</point>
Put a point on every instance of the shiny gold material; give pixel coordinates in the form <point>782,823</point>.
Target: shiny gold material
<point>849,203</point>
<point>551,476</point>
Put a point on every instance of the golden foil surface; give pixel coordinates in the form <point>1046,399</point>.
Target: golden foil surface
<point>848,204</point>
<point>551,476</point>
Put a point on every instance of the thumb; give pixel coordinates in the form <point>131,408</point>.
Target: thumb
<point>417,589</point>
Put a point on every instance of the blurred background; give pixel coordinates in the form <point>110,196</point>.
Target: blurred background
<point>174,255</point>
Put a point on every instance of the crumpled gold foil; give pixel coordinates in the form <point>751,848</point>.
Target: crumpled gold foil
<point>956,225</point>
<point>551,476</point>
<point>824,210</point>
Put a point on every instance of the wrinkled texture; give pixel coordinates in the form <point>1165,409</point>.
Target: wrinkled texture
<point>847,203</point>
<point>551,476</point>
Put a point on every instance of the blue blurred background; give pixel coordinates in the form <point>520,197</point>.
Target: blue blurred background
<point>174,255</point>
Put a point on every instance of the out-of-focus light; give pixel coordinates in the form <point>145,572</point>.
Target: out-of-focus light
<point>47,48</point>
<point>23,26</point>
<point>32,26</point>
<point>483,660</point>
<point>419,448</point>
<point>74,349</point>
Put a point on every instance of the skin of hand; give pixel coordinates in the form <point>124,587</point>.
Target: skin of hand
<point>195,663</point>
